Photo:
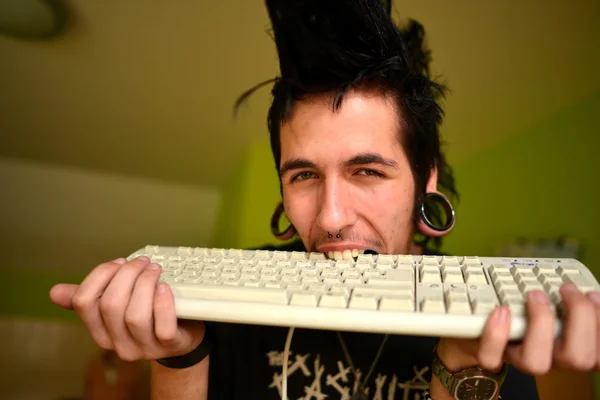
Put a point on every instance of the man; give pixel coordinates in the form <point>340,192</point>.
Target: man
<point>354,132</point>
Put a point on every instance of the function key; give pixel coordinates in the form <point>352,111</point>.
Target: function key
<point>316,256</point>
<point>151,249</point>
<point>298,255</point>
<point>184,251</point>
<point>217,253</point>
<point>385,259</point>
<point>280,255</point>
<point>234,253</point>
<point>200,251</point>
<point>430,260</point>
<point>261,254</point>
<point>471,260</point>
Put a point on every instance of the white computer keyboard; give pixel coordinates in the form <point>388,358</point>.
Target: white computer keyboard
<point>399,294</point>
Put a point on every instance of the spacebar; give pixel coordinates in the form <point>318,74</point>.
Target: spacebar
<point>230,293</point>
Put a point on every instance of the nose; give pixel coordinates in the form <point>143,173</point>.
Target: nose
<point>335,206</point>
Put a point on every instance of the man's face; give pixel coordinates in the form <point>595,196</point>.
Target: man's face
<point>346,170</point>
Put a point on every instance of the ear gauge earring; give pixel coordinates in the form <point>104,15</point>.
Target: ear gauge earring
<point>426,222</point>
<point>286,234</point>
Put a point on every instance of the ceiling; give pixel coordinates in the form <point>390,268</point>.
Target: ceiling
<point>146,88</point>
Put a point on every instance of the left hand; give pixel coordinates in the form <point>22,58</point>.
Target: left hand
<point>578,348</point>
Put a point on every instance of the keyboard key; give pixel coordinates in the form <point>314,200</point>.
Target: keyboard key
<point>334,300</point>
<point>475,276</point>
<point>363,301</point>
<point>484,305</point>
<point>397,303</point>
<point>222,292</point>
<point>458,305</point>
<point>517,307</point>
<point>430,260</point>
<point>305,298</point>
<point>567,270</point>
<point>580,281</point>
<point>433,304</point>
<point>453,276</point>
<point>387,281</point>
<point>430,274</point>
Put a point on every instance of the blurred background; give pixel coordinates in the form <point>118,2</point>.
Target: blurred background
<point>116,131</point>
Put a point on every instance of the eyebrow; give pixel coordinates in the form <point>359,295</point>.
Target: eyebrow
<point>359,159</point>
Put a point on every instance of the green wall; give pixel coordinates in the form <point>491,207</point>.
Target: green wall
<point>540,184</point>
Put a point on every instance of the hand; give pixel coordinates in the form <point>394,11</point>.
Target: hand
<point>125,309</point>
<point>578,348</point>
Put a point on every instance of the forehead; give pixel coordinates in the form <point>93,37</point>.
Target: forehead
<point>365,121</point>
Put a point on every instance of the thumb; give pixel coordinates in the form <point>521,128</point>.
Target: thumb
<point>62,295</point>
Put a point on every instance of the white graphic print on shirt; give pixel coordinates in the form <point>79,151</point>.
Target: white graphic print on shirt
<point>339,379</point>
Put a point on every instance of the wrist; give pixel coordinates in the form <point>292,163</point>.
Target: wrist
<point>454,356</point>
<point>203,346</point>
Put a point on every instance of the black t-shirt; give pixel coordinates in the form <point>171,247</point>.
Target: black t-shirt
<point>246,363</point>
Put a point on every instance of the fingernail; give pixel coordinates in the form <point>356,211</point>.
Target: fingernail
<point>539,297</point>
<point>143,258</point>
<point>502,313</point>
<point>161,288</point>
<point>569,288</point>
<point>120,261</point>
<point>153,266</point>
<point>595,297</point>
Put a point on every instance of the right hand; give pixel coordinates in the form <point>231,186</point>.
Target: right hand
<point>127,310</point>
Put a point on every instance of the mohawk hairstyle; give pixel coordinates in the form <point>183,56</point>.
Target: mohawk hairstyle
<point>332,46</point>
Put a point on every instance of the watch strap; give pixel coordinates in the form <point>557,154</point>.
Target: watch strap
<point>193,357</point>
<point>427,396</point>
<point>447,378</point>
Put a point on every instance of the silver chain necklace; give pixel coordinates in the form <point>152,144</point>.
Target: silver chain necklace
<point>360,384</point>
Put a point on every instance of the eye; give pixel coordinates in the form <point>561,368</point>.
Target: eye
<point>369,172</point>
<point>303,176</point>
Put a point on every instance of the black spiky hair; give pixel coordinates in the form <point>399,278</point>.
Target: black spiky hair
<point>332,46</point>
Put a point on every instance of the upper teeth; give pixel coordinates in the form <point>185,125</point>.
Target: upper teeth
<point>344,255</point>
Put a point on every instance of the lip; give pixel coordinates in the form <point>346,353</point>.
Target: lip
<point>341,247</point>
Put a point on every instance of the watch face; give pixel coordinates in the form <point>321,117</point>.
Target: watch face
<point>476,389</point>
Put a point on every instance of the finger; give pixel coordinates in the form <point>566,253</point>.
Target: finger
<point>62,295</point>
<point>139,312</point>
<point>534,355</point>
<point>176,337</point>
<point>595,298</point>
<point>576,349</point>
<point>165,318</point>
<point>85,301</point>
<point>114,302</point>
<point>494,339</point>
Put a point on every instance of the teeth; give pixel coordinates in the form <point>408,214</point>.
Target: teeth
<point>344,255</point>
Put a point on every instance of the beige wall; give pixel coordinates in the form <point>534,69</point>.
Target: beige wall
<point>64,219</point>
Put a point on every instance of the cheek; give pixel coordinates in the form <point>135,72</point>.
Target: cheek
<point>394,209</point>
<point>299,211</point>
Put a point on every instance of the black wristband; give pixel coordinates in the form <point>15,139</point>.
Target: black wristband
<point>194,356</point>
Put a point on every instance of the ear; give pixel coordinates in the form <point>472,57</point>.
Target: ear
<point>432,191</point>
<point>433,181</point>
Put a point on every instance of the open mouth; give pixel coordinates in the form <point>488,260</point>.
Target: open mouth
<point>348,254</point>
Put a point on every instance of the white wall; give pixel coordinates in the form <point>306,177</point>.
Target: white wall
<point>64,219</point>
<point>43,360</point>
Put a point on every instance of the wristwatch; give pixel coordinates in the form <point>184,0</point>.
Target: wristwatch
<point>471,383</point>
